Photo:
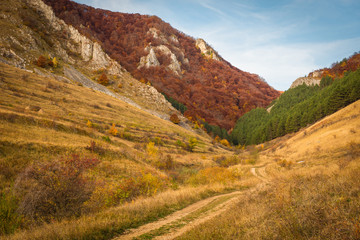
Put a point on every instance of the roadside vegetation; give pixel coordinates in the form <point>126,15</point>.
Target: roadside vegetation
<point>68,153</point>
<point>317,203</point>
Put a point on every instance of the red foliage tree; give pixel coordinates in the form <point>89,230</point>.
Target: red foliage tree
<point>103,79</point>
<point>124,37</point>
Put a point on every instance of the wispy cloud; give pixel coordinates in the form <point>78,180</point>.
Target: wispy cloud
<point>207,5</point>
<point>279,40</point>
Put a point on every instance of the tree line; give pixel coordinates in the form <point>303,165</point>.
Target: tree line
<point>297,108</point>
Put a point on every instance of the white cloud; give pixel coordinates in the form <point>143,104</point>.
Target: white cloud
<point>262,41</point>
<point>280,65</point>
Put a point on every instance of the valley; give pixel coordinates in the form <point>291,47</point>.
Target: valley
<point>119,126</point>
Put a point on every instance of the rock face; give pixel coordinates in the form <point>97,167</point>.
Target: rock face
<point>191,74</point>
<point>309,81</point>
<point>79,56</point>
<point>206,50</point>
<point>90,51</point>
<point>151,59</point>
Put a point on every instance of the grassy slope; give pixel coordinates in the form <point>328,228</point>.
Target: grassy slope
<point>283,209</point>
<point>317,198</point>
<point>42,119</point>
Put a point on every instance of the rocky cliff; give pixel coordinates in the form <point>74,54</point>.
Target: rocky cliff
<point>30,29</point>
<point>187,70</point>
<point>309,81</point>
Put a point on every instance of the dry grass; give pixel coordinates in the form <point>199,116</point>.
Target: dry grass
<point>314,189</point>
<point>42,119</point>
<point>48,114</point>
<point>319,138</point>
<point>114,221</point>
<point>317,203</point>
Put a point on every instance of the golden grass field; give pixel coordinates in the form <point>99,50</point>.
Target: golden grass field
<point>311,188</point>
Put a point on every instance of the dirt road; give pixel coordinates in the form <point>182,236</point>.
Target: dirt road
<point>182,221</point>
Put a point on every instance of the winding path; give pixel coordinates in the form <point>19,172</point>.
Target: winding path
<point>177,223</point>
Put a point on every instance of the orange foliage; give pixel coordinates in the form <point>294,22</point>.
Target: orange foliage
<point>174,118</point>
<point>103,79</point>
<point>206,87</point>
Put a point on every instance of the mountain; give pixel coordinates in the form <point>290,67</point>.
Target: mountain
<point>184,69</point>
<point>32,37</point>
<point>87,151</point>
<point>308,100</point>
<point>336,70</point>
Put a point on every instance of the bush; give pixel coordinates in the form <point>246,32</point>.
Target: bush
<point>10,220</point>
<point>42,61</point>
<point>212,175</point>
<point>192,144</point>
<point>56,189</point>
<point>285,164</point>
<point>228,161</point>
<point>103,79</point>
<point>165,163</point>
<point>151,150</point>
<point>126,190</point>
<point>95,148</point>
<point>225,143</point>
<point>174,118</point>
<point>113,131</point>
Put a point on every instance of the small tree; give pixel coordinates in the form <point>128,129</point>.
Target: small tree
<point>41,62</point>
<point>113,131</point>
<point>103,79</point>
<point>174,118</point>
<point>192,144</point>
<point>55,62</point>
<point>151,150</point>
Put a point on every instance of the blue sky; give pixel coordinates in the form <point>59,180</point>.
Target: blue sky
<point>280,40</point>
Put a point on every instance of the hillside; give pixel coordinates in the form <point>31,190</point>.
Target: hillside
<point>33,38</point>
<point>93,145</point>
<point>338,69</point>
<point>305,173</point>
<point>311,188</point>
<point>177,65</point>
<point>297,108</point>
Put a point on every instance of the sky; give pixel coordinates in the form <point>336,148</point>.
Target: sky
<point>280,40</point>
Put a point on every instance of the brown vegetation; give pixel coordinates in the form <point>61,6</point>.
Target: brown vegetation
<point>210,89</point>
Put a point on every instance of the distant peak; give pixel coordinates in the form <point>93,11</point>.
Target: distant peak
<point>206,50</point>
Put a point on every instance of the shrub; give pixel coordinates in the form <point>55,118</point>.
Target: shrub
<point>10,220</point>
<point>106,138</point>
<point>174,118</point>
<point>227,161</point>
<point>126,190</point>
<point>55,62</point>
<point>212,175</point>
<point>113,131</point>
<point>41,62</point>
<point>95,148</point>
<point>56,189</point>
<point>166,163</point>
<point>192,144</point>
<point>103,79</point>
<point>89,124</point>
<point>285,163</point>
<point>151,150</point>
<point>225,143</point>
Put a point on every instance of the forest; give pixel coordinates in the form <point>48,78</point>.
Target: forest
<point>209,89</point>
<point>296,108</point>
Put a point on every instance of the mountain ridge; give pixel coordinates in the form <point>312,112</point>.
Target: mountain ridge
<point>152,51</point>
